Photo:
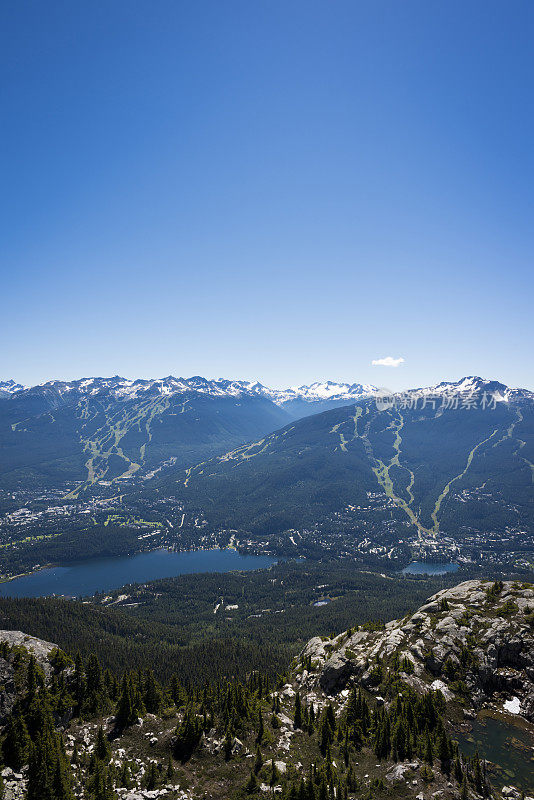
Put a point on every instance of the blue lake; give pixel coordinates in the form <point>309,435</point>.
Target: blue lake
<point>83,578</point>
<point>427,568</point>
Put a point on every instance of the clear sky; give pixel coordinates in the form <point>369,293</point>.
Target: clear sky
<point>284,190</point>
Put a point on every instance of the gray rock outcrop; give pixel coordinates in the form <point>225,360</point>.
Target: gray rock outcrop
<point>477,635</point>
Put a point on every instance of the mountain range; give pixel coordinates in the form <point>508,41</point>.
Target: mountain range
<point>442,459</point>
<point>325,392</point>
<point>103,429</point>
<point>451,458</point>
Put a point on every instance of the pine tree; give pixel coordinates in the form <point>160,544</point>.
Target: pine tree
<point>79,684</point>
<point>153,695</point>
<point>125,776</point>
<point>49,773</point>
<point>345,750</point>
<point>429,754</point>
<point>353,709</point>
<point>479,783</point>
<point>444,751</point>
<point>251,785</point>
<point>352,781</point>
<point>102,783</point>
<point>399,740</point>
<point>188,735</point>
<point>126,711</point>
<point>258,762</point>
<point>311,719</point>
<point>170,769</point>
<point>61,781</point>
<point>102,748</point>
<point>16,744</point>
<point>152,776</point>
<point>261,730</point>
<point>275,775</point>
<point>228,744</point>
<point>426,773</point>
<point>31,678</point>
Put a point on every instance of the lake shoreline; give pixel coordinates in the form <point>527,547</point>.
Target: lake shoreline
<point>67,564</point>
<point>88,577</point>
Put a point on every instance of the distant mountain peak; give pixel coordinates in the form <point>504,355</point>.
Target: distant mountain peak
<point>10,387</point>
<point>125,388</point>
<point>307,396</point>
<point>473,384</point>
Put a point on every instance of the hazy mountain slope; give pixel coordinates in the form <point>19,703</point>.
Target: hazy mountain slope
<point>441,468</point>
<point>57,433</point>
<point>109,429</point>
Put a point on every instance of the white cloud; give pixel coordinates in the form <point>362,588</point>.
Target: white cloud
<point>388,361</point>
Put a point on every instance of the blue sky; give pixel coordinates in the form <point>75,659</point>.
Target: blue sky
<point>276,190</point>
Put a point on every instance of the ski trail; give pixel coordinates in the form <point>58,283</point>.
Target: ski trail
<point>445,491</point>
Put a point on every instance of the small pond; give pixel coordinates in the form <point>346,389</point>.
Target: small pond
<point>505,741</point>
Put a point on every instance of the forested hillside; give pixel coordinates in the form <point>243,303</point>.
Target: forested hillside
<point>61,433</point>
<point>214,625</point>
<point>367,714</point>
<point>442,469</point>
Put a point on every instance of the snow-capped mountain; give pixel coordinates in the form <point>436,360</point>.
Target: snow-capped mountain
<point>127,389</point>
<point>106,429</point>
<point>326,390</point>
<point>298,400</point>
<point>473,385</point>
<point>10,387</point>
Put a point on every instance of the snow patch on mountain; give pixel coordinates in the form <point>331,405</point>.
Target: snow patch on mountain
<point>10,387</point>
<point>318,392</point>
<point>474,385</point>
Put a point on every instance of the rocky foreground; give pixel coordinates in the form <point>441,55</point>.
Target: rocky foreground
<point>369,714</point>
<point>473,641</point>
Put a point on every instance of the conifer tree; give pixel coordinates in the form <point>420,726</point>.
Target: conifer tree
<point>127,711</point>
<point>31,678</point>
<point>228,744</point>
<point>15,748</point>
<point>125,776</point>
<point>170,769</point>
<point>153,695</point>
<point>102,748</point>
<point>477,777</point>
<point>48,774</point>
<point>152,776</point>
<point>429,754</point>
<point>251,786</point>
<point>258,761</point>
<point>311,719</point>
<point>275,775</point>
<point>188,735</point>
<point>261,730</point>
